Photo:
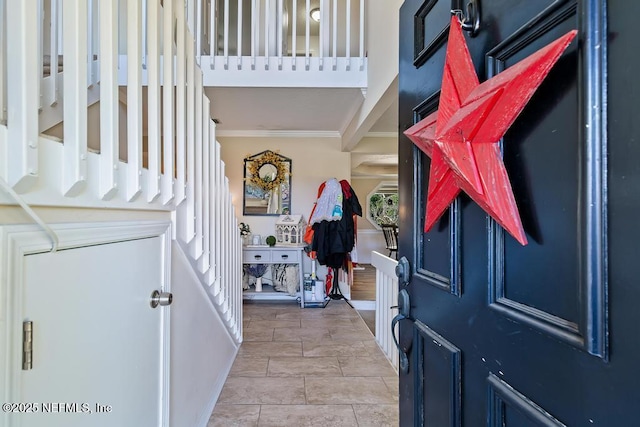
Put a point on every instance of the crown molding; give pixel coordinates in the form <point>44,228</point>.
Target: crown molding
<point>277,134</point>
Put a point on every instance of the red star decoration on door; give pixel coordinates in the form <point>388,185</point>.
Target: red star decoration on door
<point>462,137</point>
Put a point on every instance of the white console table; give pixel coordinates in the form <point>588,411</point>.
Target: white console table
<point>258,254</point>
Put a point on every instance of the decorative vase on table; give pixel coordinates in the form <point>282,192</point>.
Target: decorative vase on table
<point>257,271</point>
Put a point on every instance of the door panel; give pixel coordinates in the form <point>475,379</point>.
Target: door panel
<point>520,333</point>
<point>439,258</point>
<point>97,341</point>
<point>508,407</point>
<point>438,365</point>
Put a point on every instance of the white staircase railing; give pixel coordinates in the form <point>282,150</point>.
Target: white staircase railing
<point>280,42</point>
<point>168,158</point>
<point>386,297</point>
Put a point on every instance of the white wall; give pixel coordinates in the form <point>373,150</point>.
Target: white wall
<point>202,351</point>
<point>369,241</point>
<point>383,26</point>
<point>369,238</point>
<point>382,51</point>
<point>314,160</point>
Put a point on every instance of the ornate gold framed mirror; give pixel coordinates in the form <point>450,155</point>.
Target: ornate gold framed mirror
<point>267,184</point>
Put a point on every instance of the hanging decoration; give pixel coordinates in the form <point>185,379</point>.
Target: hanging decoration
<point>462,137</point>
<point>267,182</point>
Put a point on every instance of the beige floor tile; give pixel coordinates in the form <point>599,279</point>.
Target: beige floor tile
<point>262,391</point>
<point>310,313</point>
<point>307,416</point>
<point>329,322</point>
<point>257,315</point>
<point>351,315</point>
<point>304,366</point>
<point>337,307</point>
<point>349,326</point>
<point>234,416</point>
<point>271,324</point>
<point>338,348</point>
<point>356,390</point>
<point>257,334</point>
<point>299,334</point>
<point>249,367</point>
<point>366,366</point>
<point>377,415</point>
<point>393,386</point>
<point>268,349</point>
<point>362,389</point>
<point>344,334</point>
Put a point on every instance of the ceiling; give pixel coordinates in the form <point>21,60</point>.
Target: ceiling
<point>283,109</point>
<point>322,111</point>
<point>389,121</point>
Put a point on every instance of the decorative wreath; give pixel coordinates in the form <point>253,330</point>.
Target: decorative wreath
<point>267,184</point>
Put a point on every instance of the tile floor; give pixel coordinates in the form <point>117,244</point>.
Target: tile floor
<point>311,367</point>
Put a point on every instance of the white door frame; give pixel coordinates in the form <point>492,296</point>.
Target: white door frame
<point>18,241</point>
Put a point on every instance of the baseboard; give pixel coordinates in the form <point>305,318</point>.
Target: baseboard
<point>211,403</point>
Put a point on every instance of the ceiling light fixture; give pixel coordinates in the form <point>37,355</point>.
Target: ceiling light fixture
<point>315,14</point>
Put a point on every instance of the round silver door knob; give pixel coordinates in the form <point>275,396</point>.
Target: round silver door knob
<point>161,298</point>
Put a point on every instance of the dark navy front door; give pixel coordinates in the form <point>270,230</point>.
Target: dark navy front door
<point>501,334</point>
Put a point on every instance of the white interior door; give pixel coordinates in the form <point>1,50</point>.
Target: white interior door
<point>96,339</point>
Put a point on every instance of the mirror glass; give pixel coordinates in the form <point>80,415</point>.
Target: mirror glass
<point>267,172</point>
<point>267,184</point>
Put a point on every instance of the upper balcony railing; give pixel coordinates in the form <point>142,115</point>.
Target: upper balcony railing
<point>313,43</point>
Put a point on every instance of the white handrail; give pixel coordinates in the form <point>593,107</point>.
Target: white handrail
<point>307,37</point>
<point>213,37</point>
<point>321,32</point>
<point>189,206</point>
<point>53,51</point>
<point>206,164</point>
<point>226,33</point>
<point>335,34</point>
<point>90,15</point>
<point>109,144</point>
<point>22,93</point>
<point>267,22</point>
<point>274,36</point>
<point>3,63</point>
<point>348,36</point>
<point>294,33</point>
<point>74,15</point>
<point>153,104</point>
<point>40,31</point>
<point>362,32</point>
<point>180,106</point>
<point>168,112</point>
<point>386,297</point>
<point>239,42</point>
<point>134,100</point>
<point>197,181</point>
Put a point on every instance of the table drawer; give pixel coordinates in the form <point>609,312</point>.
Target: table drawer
<point>256,256</point>
<point>285,255</point>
